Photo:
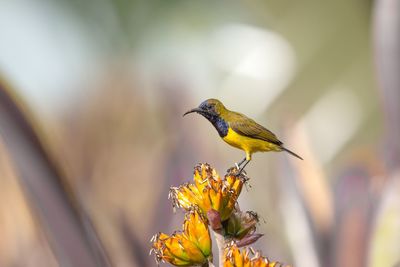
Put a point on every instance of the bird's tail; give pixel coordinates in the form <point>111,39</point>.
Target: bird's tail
<point>291,153</point>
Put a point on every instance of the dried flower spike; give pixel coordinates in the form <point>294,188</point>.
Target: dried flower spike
<point>190,247</point>
<point>209,191</point>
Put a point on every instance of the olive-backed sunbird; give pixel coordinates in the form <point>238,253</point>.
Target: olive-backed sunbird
<point>239,131</point>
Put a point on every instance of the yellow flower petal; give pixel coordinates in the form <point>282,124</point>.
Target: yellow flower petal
<point>196,230</point>
<point>216,200</point>
<point>199,180</point>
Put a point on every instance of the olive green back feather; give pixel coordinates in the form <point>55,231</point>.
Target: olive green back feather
<point>248,127</point>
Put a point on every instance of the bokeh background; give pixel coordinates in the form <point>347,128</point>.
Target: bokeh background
<point>105,83</point>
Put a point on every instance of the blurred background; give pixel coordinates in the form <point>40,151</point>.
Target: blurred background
<point>105,84</point>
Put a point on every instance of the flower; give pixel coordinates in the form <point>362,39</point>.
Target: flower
<point>209,191</point>
<point>241,224</point>
<point>241,227</point>
<point>234,257</point>
<point>190,247</point>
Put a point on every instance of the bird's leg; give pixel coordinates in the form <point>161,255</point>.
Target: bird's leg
<point>241,169</point>
<point>240,163</point>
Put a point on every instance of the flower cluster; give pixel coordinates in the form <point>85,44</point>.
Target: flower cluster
<point>192,246</point>
<point>209,191</point>
<point>234,257</point>
<point>211,201</point>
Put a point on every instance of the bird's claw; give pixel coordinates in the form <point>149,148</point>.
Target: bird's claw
<point>240,172</point>
<point>237,166</point>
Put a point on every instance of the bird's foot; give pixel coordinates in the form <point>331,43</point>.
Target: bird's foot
<point>241,171</point>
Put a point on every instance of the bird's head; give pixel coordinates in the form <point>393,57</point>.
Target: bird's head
<point>210,109</point>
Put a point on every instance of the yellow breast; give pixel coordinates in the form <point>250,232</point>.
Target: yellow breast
<point>249,145</point>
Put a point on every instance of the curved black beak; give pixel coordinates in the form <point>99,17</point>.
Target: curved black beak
<point>193,110</point>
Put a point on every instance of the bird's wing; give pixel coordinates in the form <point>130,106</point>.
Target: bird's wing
<point>248,127</point>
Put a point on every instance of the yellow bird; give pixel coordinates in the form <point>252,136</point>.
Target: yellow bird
<point>240,131</point>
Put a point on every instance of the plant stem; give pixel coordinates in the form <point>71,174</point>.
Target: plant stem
<point>214,219</point>
<point>209,264</point>
<point>219,238</point>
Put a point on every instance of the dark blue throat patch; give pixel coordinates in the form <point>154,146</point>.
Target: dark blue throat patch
<point>221,126</point>
<point>218,122</point>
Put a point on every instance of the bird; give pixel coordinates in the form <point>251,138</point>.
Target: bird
<point>240,131</point>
